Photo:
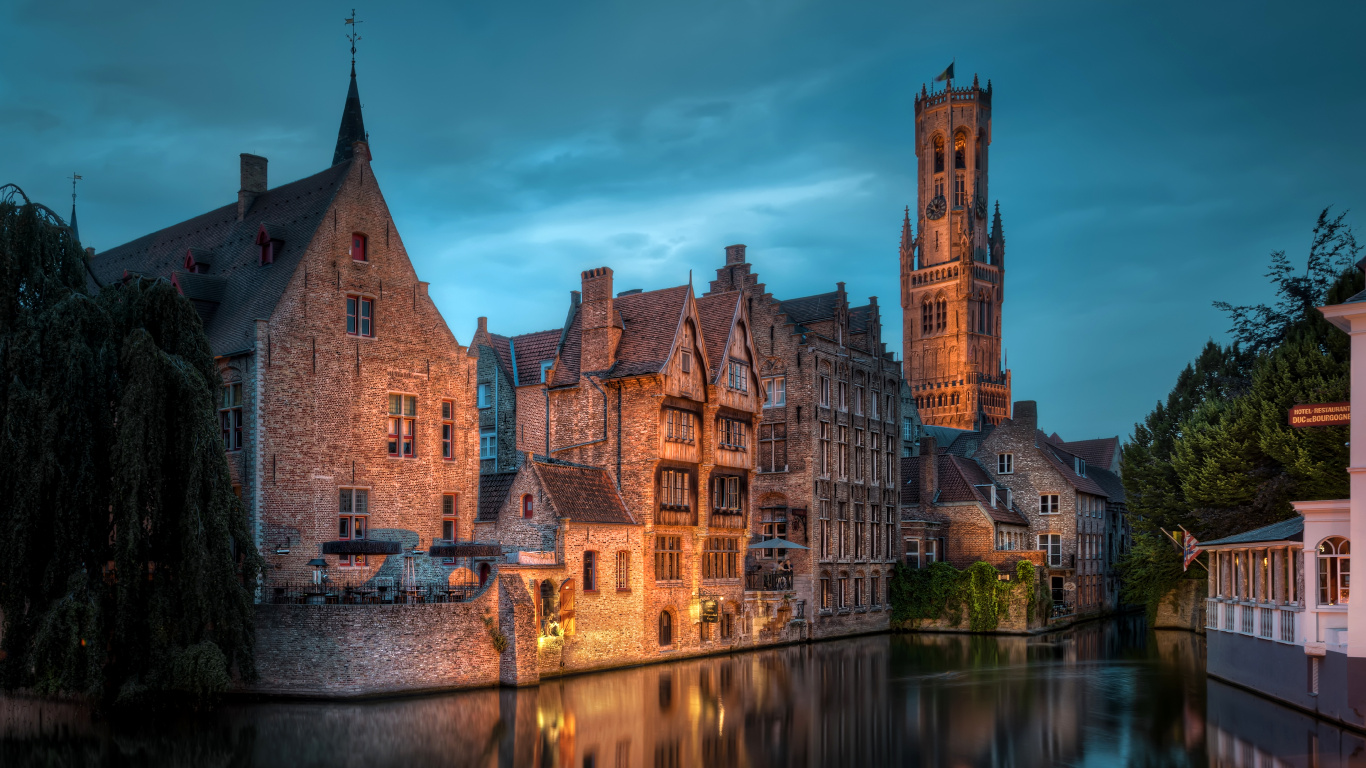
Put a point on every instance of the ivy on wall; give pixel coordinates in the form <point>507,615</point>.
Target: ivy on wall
<point>942,591</point>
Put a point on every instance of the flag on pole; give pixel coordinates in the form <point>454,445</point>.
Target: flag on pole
<point>1190,549</point>
<point>947,74</point>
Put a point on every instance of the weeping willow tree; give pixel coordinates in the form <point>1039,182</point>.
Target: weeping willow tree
<point>126,564</point>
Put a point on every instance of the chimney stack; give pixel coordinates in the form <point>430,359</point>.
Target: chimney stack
<point>253,183</point>
<point>1026,414</point>
<point>735,254</point>
<point>598,326</point>
<point>929,469</point>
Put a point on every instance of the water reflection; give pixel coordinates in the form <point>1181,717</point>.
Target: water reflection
<point>1102,694</point>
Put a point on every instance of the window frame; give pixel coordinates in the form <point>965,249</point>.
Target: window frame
<point>1005,463</point>
<point>769,442</point>
<point>675,489</point>
<point>448,430</point>
<point>1051,545</point>
<point>1050,504</point>
<point>590,571</point>
<point>450,516</point>
<point>488,438</point>
<point>360,316</point>
<point>775,391</point>
<point>721,559</point>
<point>738,376</point>
<point>347,518</point>
<point>363,253</point>
<point>402,426</point>
<point>623,570</point>
<point>668,556</point>
<point>528,507</point>
<point>230,416</point>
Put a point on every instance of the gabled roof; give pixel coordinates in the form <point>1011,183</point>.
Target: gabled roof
<point>1065,464</point>
<point>528,352</point>
<point>1114,487</point>
<point>649,324</point>
<point>809,309</point>
<point>1285,530</point>
<point>247,291</point>
<point>493,491</point>
<point>503,351</point>
<point>717,312</point>
<point>649,327</point>
<point>859,318</point>
<point>960,480</point>
<point>581,493</point>
<point>1099,452</point>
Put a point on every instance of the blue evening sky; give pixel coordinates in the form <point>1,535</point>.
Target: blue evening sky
<point>1147,156</point>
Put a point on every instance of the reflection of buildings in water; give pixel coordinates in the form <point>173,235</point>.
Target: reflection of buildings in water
<point>1249,730</point>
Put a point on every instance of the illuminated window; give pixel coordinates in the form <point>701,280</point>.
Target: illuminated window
<point>1334,571</point>
<point>353,520</point>
<point>960,151</point>
<point>938,154</point>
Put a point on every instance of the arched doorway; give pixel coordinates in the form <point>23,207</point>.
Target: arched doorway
<point>666,628</point>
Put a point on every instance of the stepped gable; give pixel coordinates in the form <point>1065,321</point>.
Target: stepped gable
<point>581,493</point>
<point>809,309</point>
<point>717,312</point>
<point>529,350</point>
<point>493,492</point>
<point>244,289</point>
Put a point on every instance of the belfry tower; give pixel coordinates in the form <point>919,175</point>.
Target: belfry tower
<point>953,272</point>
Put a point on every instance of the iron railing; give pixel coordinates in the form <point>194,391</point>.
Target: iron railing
<point>331,593</point>
<point>768,581</point>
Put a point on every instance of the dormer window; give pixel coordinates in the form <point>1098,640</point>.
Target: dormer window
<point>269,247</point>
<point>358,252</point>
<point>1079,464</point>
<point>193,265</point>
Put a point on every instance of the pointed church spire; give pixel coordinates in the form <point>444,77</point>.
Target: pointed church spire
<point>352,127</point>
<point>907,237</point>
<point>996,232</point>
<point>75,233</point>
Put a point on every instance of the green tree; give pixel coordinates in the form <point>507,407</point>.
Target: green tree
<point>128,566</point>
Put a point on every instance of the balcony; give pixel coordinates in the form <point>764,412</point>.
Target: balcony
<point>1269,621</point>
<point>768,581</point>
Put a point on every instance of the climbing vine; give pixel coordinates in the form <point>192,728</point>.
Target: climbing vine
<point>942,591</point>
<point>127,568</point>
<point>499,640</point>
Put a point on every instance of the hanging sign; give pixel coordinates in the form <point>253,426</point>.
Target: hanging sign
<point>710,611</point>
<point>1321,415</point>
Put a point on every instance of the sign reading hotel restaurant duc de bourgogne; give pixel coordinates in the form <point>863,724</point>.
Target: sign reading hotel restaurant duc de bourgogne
<point>1321,415</point>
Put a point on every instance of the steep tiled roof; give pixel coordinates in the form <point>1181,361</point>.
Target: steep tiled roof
<point>808,309</point>
<point>717,312</point>
<point>859,318</point>
<point>1285,530</point>
<point>943,436</point>
<point>246,290</point>
<point>567,369</point>
<point>1064,463</point>
<point>959,479</point>
<point>1114,487</point>
<point>529,350</point>
<point>650,325</point>
<point>966,443</point>
<point>1099,452</point>
<point>581,493</point>
<point>493,491</point>
<point>503,352</point>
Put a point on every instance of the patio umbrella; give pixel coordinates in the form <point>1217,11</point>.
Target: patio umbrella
<point>776,544</point>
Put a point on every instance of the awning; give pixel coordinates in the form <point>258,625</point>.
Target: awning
<point>467,549</point>
<point>776,544</point>
<point>362,547</point>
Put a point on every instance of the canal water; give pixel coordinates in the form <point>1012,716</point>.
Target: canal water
<point>1101,694</point>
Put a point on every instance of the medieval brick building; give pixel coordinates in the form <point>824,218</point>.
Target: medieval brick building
<point>953,271</point>
<point>1009,492</point>
<point>829,447</point>
<point>345,405</point>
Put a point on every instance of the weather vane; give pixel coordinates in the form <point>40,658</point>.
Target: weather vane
<point>353,36</point>
<point>74,178</point>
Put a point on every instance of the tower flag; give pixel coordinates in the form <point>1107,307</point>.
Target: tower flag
<point>947,74</point>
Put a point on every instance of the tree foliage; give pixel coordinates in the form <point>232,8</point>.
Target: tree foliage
<point>1219,457</point>
<point>128,566</point>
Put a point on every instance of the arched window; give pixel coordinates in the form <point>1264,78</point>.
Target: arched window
<point>938,154</point>
<point>666,628</point>
<point>528,505</point>
<point>1334,571</point>
<point>926,317</point>
<point>941,315</point>
<point>960,151</point>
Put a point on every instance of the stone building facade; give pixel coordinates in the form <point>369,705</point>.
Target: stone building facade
<point>346,410</point>
<point>1066,498</point>
<point>829,447</point>
<point>953,270</point>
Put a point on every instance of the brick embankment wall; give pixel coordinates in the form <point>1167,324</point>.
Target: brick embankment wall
<point>365,650</point>
<point>1182,607</point>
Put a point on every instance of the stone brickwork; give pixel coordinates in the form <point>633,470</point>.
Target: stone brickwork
<point>356,650</point>
<point>953,271</point>
<point>498,413</point>
<point>322,421</point>
<point>844,513</point>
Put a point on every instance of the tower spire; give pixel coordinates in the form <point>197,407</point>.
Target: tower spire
<point>75,233</point>
<point>352,127</point>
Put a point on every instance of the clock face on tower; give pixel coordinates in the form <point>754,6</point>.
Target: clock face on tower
<point>981,208</point>
<point>936,209</point>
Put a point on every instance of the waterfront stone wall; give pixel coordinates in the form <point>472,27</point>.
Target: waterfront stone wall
<point>1182,607</point>
<point>1283,671</point>
<point>358,650</point>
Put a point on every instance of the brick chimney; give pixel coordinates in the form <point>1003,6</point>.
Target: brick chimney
<point>1026,414</point>
<point>253,183</point>
<point>600,335</point>
<point>735,254</point>
<point>929,469</point>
